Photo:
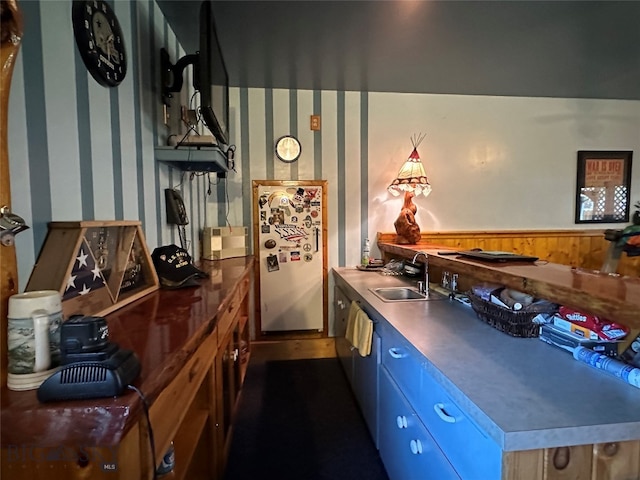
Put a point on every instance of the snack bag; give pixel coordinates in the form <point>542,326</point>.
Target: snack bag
<point>605,329</point>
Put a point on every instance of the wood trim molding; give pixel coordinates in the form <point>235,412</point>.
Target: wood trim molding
<point>10,38</point>
<point>585,248</point>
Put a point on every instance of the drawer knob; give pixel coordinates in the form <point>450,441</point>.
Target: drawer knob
<point>401,421</point>
<point>442,413</point>
<point>416,447</point>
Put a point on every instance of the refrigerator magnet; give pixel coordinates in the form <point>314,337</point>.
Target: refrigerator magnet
<point>272,263</point>
<point>307,257</point>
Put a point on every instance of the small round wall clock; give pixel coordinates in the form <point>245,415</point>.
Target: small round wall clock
<point>100,41</point>
<point>288,148</point>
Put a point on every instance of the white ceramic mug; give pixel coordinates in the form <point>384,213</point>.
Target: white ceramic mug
<point>33,336</point>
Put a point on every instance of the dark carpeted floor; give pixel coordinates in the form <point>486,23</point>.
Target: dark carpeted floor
<point>298,419</point>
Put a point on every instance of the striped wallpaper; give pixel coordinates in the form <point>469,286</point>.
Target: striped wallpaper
<point>336,153</point>
<point>79,151</point>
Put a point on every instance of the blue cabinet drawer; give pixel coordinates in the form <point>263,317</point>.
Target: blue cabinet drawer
<point>402,362</point>
<point>473,455</point>
<point>406,448</point>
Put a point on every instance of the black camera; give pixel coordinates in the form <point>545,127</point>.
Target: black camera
<point>84,339</point>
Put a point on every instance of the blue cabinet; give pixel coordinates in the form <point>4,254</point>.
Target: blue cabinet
<point>481,457</point>
<point>402,361</point>
<point>344,350</point>
<point>471,454</point>
<point>361,372</point>
<point>421,432</point>
<point>407,449</point>
<point>365,385</point>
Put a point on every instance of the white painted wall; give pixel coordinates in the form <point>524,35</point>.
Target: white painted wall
<point>493,162</point>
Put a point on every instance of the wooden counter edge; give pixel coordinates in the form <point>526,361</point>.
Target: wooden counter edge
<point>612,309</point>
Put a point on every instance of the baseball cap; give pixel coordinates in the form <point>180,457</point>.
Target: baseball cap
<point>174,267</point>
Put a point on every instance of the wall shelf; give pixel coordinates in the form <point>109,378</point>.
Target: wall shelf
<point>194,158</point>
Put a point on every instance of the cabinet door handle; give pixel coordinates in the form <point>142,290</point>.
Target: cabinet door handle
<point>416,447</point>
<point>401,421</point>
<point>442,413</point>
<point>396,352</point>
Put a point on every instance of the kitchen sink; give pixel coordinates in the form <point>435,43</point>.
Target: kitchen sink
<point>404,294</point>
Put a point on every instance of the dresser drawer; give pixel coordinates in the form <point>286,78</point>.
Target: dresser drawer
<point>406,448</point>
<point>402,361</point>
<point>170,408</point>
<point>228,315</point>
<point>472,454</point>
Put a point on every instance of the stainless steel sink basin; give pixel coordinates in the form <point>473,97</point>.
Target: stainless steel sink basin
<point>404,294</point>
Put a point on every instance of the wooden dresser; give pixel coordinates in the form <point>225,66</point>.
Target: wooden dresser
<point>193,344</point>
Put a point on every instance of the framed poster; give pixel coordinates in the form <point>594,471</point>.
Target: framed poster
<point>603,188</point>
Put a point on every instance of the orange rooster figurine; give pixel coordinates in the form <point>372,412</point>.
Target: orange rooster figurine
<point>406,227</point>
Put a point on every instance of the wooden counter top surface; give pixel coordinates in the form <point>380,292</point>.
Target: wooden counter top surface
<point>164,329</point>
<point>614,297</point>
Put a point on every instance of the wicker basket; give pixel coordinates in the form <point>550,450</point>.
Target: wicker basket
<point>514,323</point>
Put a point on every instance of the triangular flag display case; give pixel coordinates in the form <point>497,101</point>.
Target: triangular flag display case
<point>97,266</point>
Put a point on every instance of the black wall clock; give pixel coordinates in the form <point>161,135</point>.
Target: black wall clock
<point>100,41</point>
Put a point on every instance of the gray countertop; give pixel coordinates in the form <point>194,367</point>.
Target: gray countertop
<point>522,392</point>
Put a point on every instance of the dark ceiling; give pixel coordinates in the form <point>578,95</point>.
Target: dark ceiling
<point>584,49</point>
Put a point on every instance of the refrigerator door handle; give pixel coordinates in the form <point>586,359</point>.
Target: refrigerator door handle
<point>317,239</point>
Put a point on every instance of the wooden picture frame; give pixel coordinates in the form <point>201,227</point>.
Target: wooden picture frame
<point>603,187</point>
<point>97,266</point>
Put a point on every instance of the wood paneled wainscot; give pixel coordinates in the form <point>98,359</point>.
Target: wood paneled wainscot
<point>577,248</point>
<point>193,344</point>
<point>602,461</point>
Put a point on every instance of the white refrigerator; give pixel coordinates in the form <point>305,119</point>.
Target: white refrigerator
<point>290,246</point>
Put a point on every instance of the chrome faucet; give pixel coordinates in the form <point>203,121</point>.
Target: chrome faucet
<point>425,287</point>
